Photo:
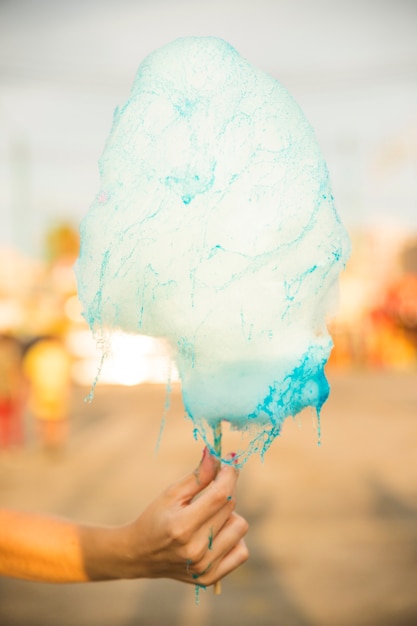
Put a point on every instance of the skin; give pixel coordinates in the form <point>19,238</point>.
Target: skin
<point>190,533</point>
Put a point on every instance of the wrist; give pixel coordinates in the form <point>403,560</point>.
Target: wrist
<point>108,554</point>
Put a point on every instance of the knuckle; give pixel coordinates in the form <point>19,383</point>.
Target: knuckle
<point>221,494</point>
<point>244,525</point>
<point>170,493</point>
<point>241,524</point>
<point>195,552</point>
<point>179,532</point>
<point>243,552</point>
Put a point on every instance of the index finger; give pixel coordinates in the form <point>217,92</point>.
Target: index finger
<point>218,494</point>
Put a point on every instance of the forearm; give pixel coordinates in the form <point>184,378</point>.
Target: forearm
<point>48,549</point>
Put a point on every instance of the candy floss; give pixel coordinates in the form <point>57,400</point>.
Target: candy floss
<point>215,228</point>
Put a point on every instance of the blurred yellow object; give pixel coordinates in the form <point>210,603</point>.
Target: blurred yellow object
<point>47,366</point>
<point>62,242</point>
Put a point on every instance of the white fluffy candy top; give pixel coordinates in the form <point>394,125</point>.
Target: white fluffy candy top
<point>215,228</point>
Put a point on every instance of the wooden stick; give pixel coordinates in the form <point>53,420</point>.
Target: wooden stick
<point>217,435</point>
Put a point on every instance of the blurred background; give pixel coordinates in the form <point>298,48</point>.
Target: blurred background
<point>333,535</point>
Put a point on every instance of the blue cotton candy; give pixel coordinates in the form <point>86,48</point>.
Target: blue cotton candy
<point>215,228</point>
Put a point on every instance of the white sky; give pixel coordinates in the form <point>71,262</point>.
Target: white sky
<point>65,66</point>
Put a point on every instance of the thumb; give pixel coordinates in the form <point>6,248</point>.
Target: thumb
<point>197,481</point>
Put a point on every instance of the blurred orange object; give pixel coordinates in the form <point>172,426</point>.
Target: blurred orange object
<point>387,344</point>
<point>401,301</point>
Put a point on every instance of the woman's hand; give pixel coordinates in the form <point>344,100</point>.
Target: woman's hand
<point>189,533</point>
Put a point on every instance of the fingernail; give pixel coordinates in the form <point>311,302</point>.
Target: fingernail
<point>205,452</point>
<point>196,472</point>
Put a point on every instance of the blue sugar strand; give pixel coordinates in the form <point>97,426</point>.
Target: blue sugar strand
<point>197,589</point>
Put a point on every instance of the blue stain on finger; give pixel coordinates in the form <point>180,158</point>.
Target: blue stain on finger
<point>210,539</point>
<point>196,575</point>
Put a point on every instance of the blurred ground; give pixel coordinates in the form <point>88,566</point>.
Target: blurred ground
<point>333,535</point>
